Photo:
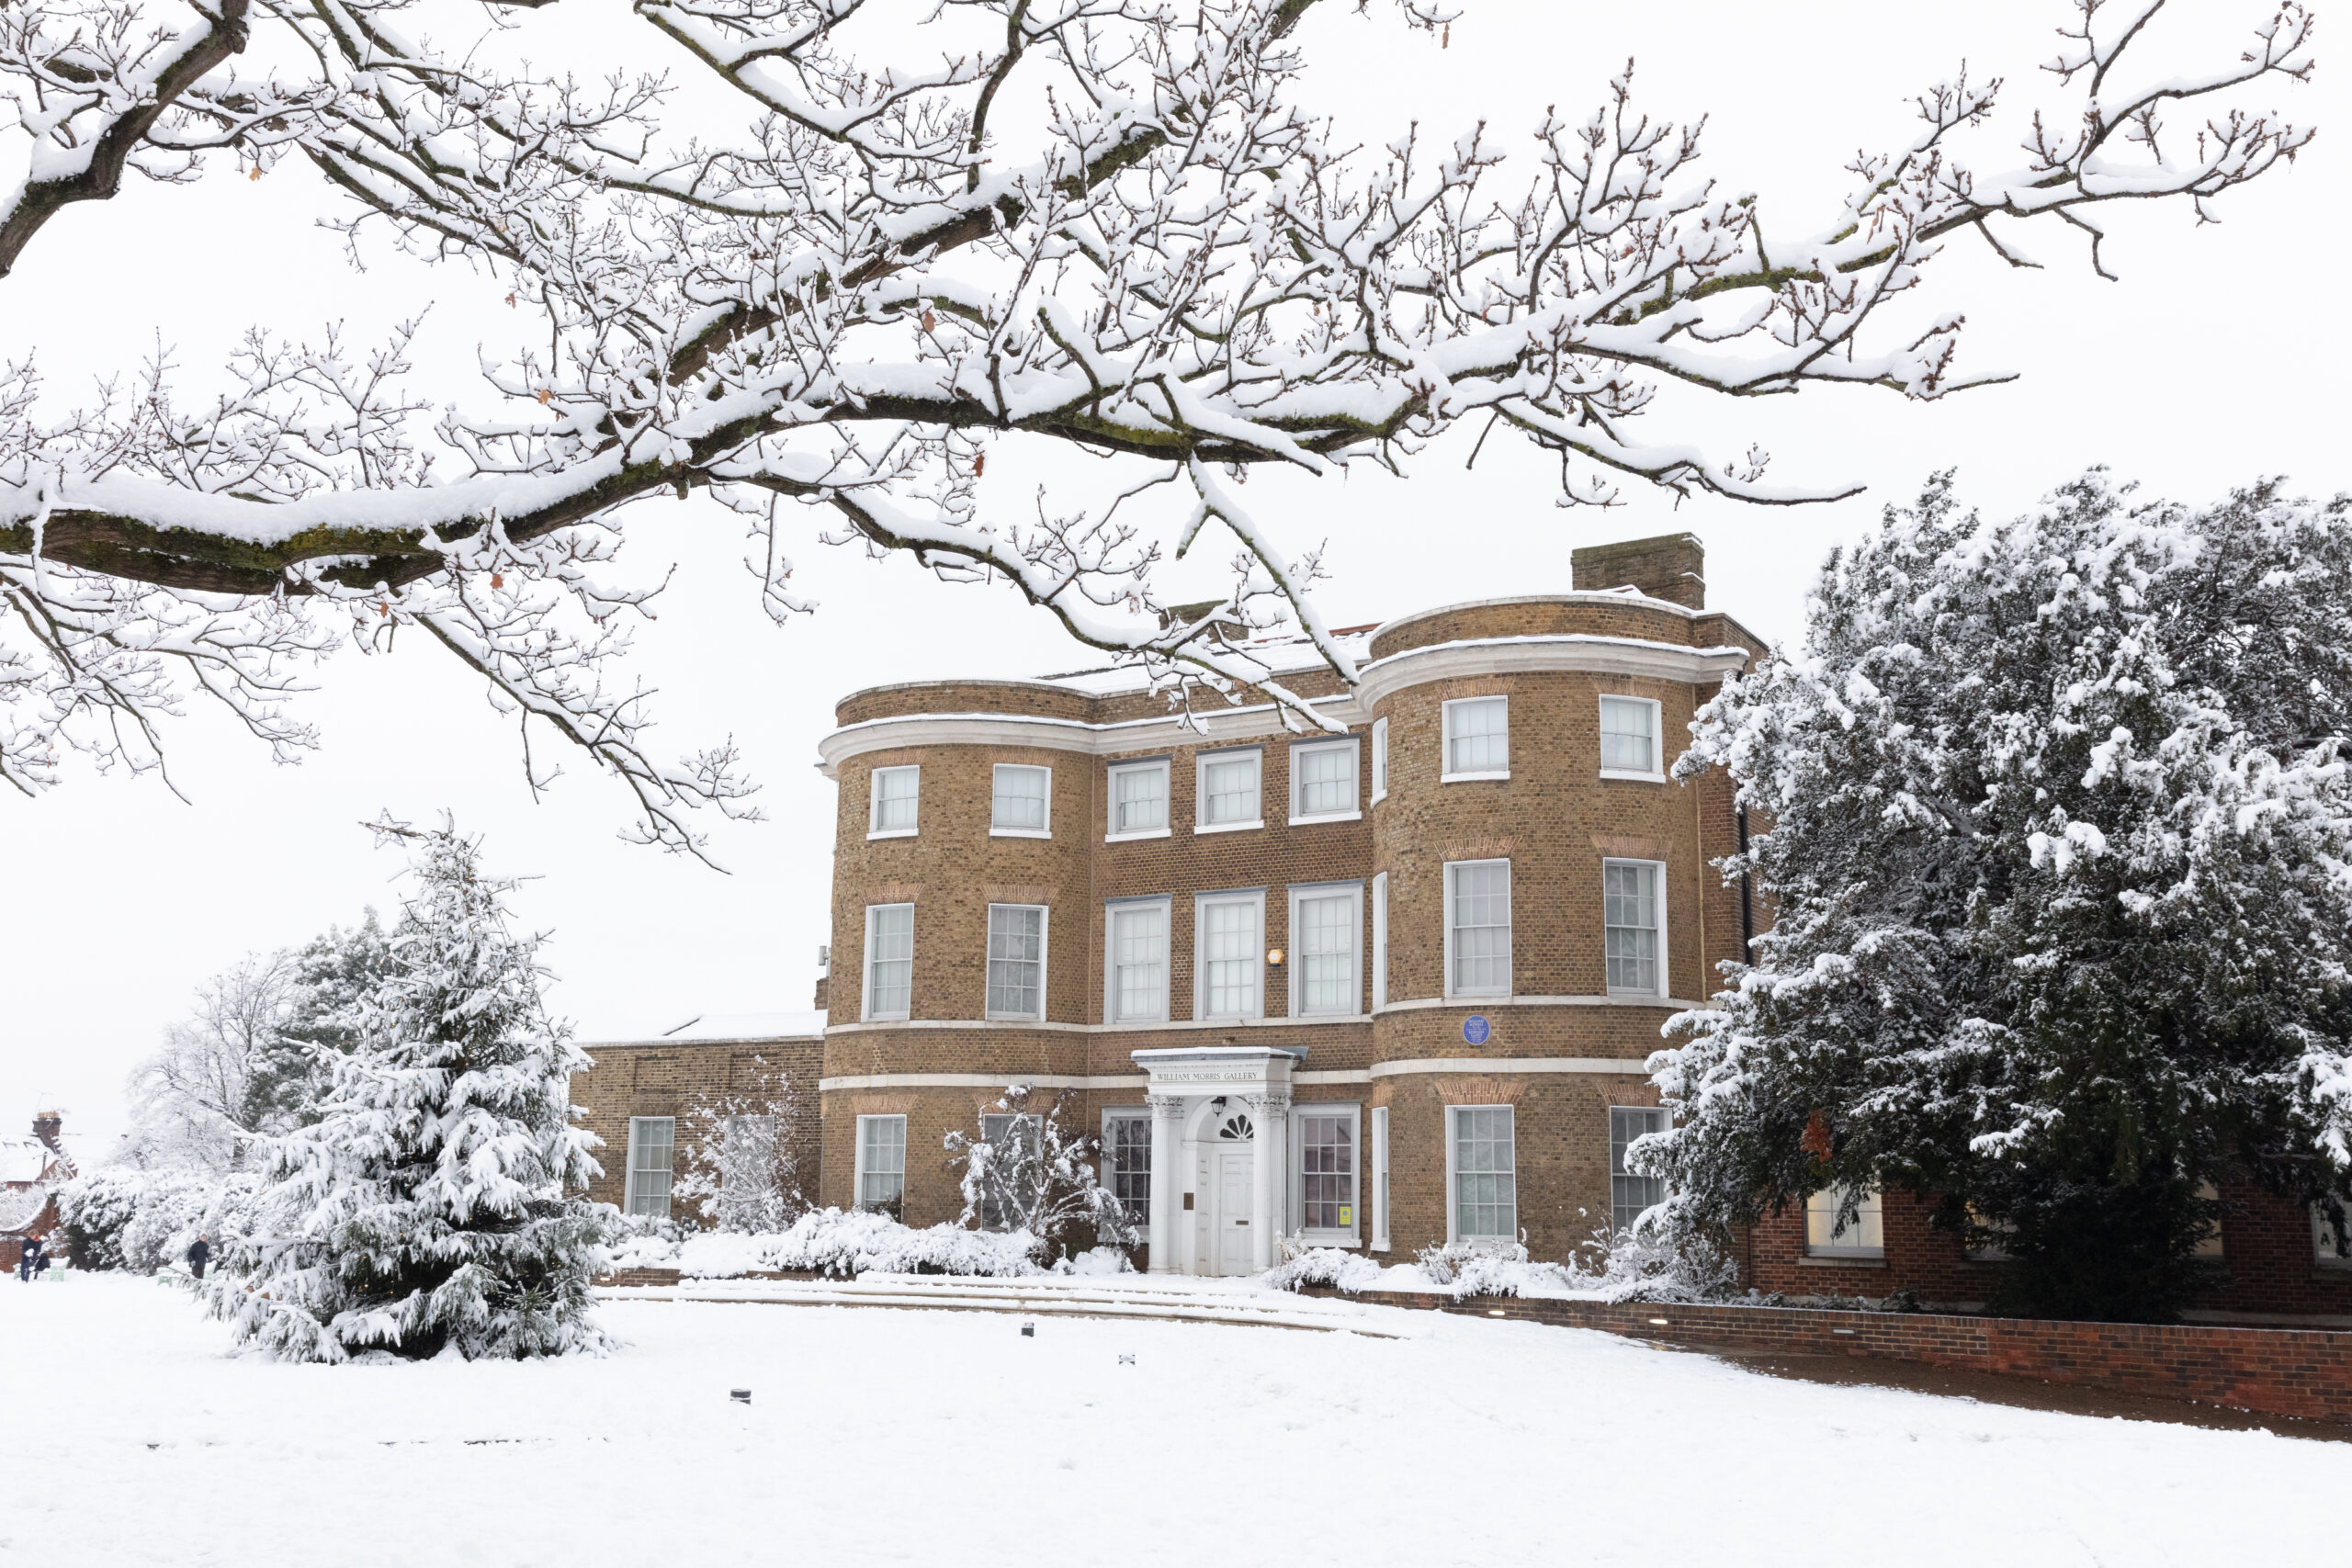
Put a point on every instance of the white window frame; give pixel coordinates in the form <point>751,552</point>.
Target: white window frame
<point>631,1195</point>
<point>1656,773</point>
<point>866,1000</point>
<point>1445,740</point>
<point>1299,817</point>
<point>1447,893</point>
<point>1112,909</point>
<point>1127,1113</point>
<point>1849,1250</point>
<point>1379,761</point>
<point>2323,1253</point>
<point>1657,869</point>
<point>1379,941</point>
<point>1354,893</point>
<point>1327,1235</point>
<point>1648,1113</point>
<point>1453,1206</point>
<point>1045,832</point>
<point>1379,1194</point>
<point>1201,760</point>
<point>1110,834</point>
<point>1044,956</point>
<point>874,802</point>
<point>858,1172</point>
<point>1255,897</point>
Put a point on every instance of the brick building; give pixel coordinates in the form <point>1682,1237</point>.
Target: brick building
<point>1373,990</point>
<point>30,1172</point>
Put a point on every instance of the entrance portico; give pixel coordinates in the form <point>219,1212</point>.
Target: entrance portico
<point>1217,1110</point>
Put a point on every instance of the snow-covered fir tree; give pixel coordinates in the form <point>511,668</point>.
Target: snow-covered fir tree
<point>2056,821</point>
<point>434,1204</point>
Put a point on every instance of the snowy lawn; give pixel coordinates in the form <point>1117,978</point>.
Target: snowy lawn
<point>885,1435</point>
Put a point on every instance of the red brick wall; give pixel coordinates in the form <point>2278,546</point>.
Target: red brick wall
<point>2266,1247</point>
<point>2280,1371</point>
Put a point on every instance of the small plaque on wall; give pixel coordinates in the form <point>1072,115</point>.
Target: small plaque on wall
<point>1475,1029</point>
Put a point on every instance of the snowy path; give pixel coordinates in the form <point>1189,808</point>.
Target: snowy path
<point>883,1437</point>
<point>1123,1297</point>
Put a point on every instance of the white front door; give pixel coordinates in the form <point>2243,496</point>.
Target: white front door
<point>1233,1194</point>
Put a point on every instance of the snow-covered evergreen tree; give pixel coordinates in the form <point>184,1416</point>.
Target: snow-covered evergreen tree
<point>2059,832</point>
<point>435,1202</point>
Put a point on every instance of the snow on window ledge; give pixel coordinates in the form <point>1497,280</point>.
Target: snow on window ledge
<point>891,833</point>
<point>1021,832</point>
<point>1629,777</point>
<point>1228,826</point>
<point>1327,817</point>
<point>1874,1258</point>
<point>1472,778</point>
<point>1131,838</point>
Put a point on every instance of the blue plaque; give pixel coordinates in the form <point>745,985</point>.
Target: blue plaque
<point>1474,1028</point>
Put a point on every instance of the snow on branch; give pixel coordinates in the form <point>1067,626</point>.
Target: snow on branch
<point>1097,226</point>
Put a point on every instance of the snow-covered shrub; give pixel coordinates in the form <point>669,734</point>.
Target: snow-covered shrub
<point>1462,1268</point>
<point>146,1220</point>
<point>1095,1262</point>
<point>1642,1263</point>
<point>740,1172</point>
<point>2054,814</point>
<point>429,1206</point>
<point>842,1243</point>
<point>1023,1172</point>
<point>1325,1266</point>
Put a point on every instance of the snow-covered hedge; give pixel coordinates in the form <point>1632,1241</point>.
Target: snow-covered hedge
<point>842,1244</point>
<point>1626,1267</point>
<point>145,1220</point>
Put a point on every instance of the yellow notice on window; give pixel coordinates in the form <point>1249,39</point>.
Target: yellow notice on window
<point>1347,1216</point>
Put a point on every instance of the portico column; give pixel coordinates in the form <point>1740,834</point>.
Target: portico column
<point>1167,1122</point>
<point>1268,1114</point>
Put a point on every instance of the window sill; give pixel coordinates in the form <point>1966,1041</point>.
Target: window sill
<point>1021,832</point>
<point>1228,827</point>
<point>1452,996</point>
<point>1327,817</point>
<point>1846,1260</point>
<point>2326,1268</point>
<point>892,833</point>
<point>1010,1018</point>
<point>1133,838</point>
<point>1630,777</point>
<point>1378,796</point>
<point>1483,1243</point>
<point>884,1017</point>
<point>1471,778</point>
<point>1621,994</point>
<point>1331,1238</point>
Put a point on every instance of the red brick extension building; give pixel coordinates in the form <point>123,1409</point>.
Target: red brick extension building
<point>1417,967</point>
<point>31,1171</point>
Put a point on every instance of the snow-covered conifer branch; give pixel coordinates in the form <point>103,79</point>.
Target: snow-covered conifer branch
<point>1093,225</point>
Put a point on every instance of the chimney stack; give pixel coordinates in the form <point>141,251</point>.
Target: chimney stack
<point>1672,566</point>
<point>46,1126</point>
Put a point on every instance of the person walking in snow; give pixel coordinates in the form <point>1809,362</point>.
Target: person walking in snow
<point>28,1259</point>
<point>199,1250</point>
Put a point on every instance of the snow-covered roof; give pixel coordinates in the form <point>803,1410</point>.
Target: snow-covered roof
<point>24,1159</point>
<point>704,1028</point>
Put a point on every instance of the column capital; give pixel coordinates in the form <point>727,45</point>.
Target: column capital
<point>1168,1105</point>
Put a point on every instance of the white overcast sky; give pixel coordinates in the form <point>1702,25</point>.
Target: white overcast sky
<point>2213,360</point>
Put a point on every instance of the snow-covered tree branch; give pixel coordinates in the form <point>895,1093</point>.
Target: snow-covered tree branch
<point>1094,225</point>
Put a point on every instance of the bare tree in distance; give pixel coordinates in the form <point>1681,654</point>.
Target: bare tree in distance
<point>1097,226</point>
